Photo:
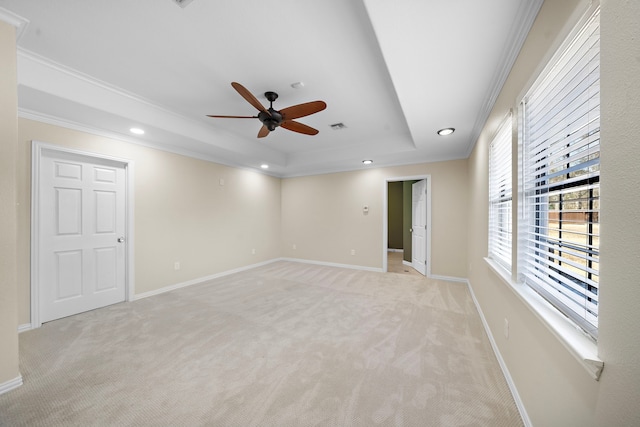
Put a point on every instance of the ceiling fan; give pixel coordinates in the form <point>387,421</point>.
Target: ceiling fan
<point>271,118</point>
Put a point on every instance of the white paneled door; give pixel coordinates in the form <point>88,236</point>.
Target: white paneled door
<point>419,226</point>
<point>81,248</point>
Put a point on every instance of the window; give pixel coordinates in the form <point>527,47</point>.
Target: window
<point>561,180</point>
<point>500,196</point>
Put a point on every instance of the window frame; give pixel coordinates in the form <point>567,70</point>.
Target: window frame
<point>501,226</point>
<point>579,344</point>
<point>562,160</point>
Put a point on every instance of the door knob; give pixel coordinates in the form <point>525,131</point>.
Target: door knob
<point>120,239</point>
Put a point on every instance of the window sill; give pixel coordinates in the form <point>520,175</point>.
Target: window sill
<point>582,347</point>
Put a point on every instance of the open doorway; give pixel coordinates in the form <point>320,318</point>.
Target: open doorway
<point>406,225</point>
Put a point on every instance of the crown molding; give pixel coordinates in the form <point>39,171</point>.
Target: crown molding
<point>44,75</point>
<point>24,113</point>
<point>16,20</point>
<point>516,38</point>
<point>80,76</point>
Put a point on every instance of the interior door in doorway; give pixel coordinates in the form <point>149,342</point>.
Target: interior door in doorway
<point>419,226</point>
<point>82,230</point>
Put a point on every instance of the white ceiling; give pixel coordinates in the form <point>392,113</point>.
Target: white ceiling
<point>394,72</point>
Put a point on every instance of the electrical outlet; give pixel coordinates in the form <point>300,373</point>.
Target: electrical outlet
<point>294,247</point>
<point>353,251</point>
<point>176,265</point>
<point>253,251</point>
<point>506,328</point>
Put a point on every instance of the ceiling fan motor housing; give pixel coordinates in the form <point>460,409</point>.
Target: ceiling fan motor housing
<point>271,120</point>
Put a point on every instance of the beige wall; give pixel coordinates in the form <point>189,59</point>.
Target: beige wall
<point>555,389</point>
<point>8,217</point>
<point>619,339</point>
<point>322,215</point>
<point>182,213</point>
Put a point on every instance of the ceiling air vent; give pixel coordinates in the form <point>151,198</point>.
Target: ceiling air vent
<point>338,126</point>
<point>182,3</point>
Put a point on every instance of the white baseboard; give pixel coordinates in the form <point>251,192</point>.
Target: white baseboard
<point>201,280</point>
<point>395,250</point>
<point>245,268</point>
<point>24,327</point>
<point>11,384</point>
<point>333,264</point>
<point>505,371</point>
<point>449,278</point>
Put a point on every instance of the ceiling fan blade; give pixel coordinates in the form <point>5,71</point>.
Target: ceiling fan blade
<point>264,131</point>
<point>249,97</point>
<point>298,127</point>
<point>301,110</point>
<point>232,117</point>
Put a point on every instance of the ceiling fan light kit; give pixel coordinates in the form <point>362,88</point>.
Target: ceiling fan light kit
<point>272,119</point>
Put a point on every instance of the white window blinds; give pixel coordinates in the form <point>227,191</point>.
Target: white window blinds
<point>561,180</point>
<point>500,196</point>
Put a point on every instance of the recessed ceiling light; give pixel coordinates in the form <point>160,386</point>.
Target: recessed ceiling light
<point>446,131</point>
<point>297,85</point>
<point>367,162</point>
<point>137,131</point>
<point>264,166</point>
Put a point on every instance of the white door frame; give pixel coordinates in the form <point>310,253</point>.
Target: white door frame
<point>385,219</point>
<point>37,149</point>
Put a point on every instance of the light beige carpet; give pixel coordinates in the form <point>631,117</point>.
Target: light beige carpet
<point>287,344</point>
